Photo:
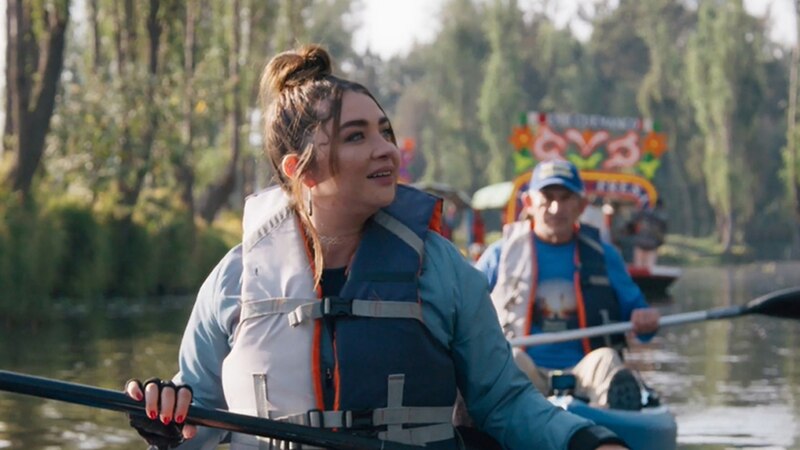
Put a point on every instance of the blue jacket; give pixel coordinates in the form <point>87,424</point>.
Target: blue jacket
<point>460,317</point>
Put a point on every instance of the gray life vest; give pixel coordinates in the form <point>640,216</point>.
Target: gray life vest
<point>363,361</point>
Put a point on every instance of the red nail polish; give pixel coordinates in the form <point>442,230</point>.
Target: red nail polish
<point>179,419</point>
<point>166,419</point>
<point>151,414</point>
<point>139,396</point>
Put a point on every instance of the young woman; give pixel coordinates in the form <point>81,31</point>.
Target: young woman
<point>343,297</point>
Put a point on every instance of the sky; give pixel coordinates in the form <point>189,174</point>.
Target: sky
<point>391,27</point>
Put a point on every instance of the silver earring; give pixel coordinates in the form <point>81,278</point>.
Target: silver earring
<point>309,206</point>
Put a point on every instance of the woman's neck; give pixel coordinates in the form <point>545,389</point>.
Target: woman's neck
<point>339,238</point>
<point>337,251</point>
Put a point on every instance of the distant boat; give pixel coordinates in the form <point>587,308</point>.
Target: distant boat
<point>654,281</point>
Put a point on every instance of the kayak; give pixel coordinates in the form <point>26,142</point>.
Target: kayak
<point>651,428</point>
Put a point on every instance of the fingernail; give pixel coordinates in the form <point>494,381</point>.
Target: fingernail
<point>179,419</point>
<point>139,396</point>
<point>151,414</point>
<point>166,419</point>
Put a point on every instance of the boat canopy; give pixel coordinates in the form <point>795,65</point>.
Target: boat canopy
<point>613,186</point>
<point>493,196</point>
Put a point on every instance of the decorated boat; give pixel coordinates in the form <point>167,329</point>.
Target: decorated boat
<point>617,158</point>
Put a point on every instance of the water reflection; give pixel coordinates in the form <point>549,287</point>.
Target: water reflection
<point>102,347</point>
<point>732,383</point>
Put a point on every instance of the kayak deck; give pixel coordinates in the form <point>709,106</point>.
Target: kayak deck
<point>651,428</point>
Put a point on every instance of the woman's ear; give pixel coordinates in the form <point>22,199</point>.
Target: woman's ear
<point>289,168</point>
<point>289,165</point>
<point>309,180</point>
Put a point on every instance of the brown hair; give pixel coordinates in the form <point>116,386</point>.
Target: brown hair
<point>299,94</point>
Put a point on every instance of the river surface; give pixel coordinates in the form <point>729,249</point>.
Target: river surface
<point>732,384</point>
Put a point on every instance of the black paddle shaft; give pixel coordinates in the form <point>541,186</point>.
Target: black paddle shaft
<point>117,401</point>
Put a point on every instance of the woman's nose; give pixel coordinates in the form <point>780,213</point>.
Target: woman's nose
<point>385,149</point>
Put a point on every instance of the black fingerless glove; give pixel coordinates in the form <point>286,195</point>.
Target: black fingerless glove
<point>157,434</point>
<point>591,437</point>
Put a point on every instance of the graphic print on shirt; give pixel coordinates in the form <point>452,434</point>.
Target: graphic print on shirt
<point>555,305</point>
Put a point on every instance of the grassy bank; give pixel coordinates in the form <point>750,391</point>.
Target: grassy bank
<point>690,251</point>
<point>68,249</point>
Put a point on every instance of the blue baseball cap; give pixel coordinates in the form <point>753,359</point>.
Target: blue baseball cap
<point>556,172</point>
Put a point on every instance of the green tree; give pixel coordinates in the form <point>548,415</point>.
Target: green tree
<point>791,153</point>
<point>36,34</point>
<point>619,59</point>
<point>661,96</point>
<point>555,72</point>
<point>501,92</point>
<point>434,94</point>
<point>724,86</point>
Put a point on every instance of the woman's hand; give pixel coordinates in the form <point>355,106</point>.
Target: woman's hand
<point>166,407</point>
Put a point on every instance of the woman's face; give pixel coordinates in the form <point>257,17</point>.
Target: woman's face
<point>367,160</point>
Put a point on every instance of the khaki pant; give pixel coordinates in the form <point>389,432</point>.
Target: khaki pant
<point>593,373</point>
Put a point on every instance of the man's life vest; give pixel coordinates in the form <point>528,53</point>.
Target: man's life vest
<point>514,294</point>
<point>363,361</point>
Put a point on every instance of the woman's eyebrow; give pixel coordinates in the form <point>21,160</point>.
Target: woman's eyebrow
<point>353,123</point>
<point>361,123</point>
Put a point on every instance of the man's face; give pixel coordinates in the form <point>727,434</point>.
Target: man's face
<point>555,210</point>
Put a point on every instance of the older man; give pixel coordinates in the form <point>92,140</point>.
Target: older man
<point>550,273</point>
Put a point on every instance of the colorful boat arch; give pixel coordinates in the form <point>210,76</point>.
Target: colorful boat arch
<point>613,186</point>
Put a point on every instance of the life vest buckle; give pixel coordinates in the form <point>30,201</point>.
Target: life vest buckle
<point>315,418</point>
<point>336,306</point>
<point>360,419</point>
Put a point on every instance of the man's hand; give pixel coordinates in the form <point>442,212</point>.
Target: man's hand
<point>645,320</point>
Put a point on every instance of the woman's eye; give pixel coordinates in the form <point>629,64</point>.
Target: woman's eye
<point>388,133</point>
<point>353,137</point>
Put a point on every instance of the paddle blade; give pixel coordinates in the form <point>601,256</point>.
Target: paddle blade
<point>784,303</point>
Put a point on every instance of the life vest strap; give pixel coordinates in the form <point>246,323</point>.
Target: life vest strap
<point>420,435</point>
<point>404,415</point>
<point>597,246</point>
<point>400,230</point>
<point>270,306</point>
<point>339,307</point>
<point>598,280</point>
<point>435,421</point>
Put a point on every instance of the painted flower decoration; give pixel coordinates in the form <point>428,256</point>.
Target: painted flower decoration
<point>521,137</point>
<point>655,144</point>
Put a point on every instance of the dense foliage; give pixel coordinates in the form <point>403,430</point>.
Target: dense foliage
<point>132,125</point>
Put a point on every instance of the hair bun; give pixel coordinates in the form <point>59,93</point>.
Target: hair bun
<point>293,68</point>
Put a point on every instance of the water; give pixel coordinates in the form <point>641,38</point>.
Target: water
<point>733,384</point>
